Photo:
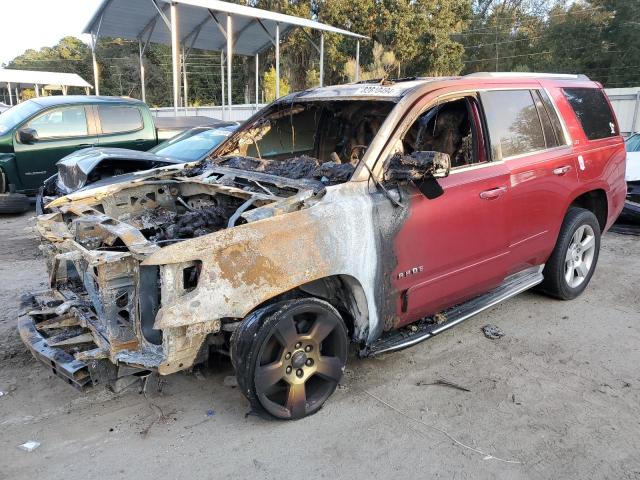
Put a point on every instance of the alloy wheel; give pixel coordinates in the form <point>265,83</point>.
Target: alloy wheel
<point>579,256</point>
<point>301,361</point>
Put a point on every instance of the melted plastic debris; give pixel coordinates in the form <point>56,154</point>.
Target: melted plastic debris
<point>294,168</point>
<point>194,224</point>
<point>154,218</point>
<point>331,172</point>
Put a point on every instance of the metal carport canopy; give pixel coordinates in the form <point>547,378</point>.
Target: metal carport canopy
<point>201,24</point>
<point>36,79</point>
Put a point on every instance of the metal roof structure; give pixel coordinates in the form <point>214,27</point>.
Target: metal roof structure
<point>37,79</point>
<point>253,28</point>
<point>203,24</point>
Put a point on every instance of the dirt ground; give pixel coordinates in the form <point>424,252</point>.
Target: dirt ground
<point>557,397</point>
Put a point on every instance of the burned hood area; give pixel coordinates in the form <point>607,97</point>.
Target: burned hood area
<point>290,150</point>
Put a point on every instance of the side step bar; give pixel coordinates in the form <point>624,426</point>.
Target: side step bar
<point>430,326</point>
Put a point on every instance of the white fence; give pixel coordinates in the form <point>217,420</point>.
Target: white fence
<point>626,104</point>
<point>239,113</point>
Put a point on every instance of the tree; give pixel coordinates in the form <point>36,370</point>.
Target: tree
<point>269,85</point>
<point>384,64</point>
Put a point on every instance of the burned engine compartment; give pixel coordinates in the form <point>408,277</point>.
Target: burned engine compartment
<point>173,206</point>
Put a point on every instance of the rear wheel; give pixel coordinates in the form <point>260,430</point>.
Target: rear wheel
<point>290,357</point>
<point>574,259</point>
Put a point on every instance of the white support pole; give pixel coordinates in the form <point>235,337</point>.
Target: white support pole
<point>64,89</point>
<point>174,57</point>
<point>358,61</point>
<point>36,87</point>
<point>321,59</point>
<point>185,87</point>
<point>86,90</point>
<point>143,89</point>
<point>277,60</point>
<point>17,96</point>
<point>222,82</point>
<point>229,63</point>
<point>10,94</point>
<point>257,81</point>
<point>96,70</point>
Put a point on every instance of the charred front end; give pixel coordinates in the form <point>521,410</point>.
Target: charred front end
<point>96,321</point>
<point>150,271</point>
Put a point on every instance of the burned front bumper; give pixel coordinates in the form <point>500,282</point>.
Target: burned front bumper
<point>61,363</point>
<point>61,330</point>
<point>97,318</point>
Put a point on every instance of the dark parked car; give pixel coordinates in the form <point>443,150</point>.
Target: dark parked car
<point>83,168</point>
<point>37,133</point>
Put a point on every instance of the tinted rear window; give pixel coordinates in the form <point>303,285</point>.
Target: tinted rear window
<point>592,109</point>
<point>513,122</point>
<point>119,119</point>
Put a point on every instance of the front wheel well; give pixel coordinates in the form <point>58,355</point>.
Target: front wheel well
<point>344,293</point>
<point>596,202</point>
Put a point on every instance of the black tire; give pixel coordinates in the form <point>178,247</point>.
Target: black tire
<point>557,268</point>
<point>14,203</point>
<point>290,356</point>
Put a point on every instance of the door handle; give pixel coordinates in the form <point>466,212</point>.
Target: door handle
<point>562,170</point>
<point>493,193</point>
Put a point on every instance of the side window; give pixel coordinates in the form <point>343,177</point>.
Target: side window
<point>513,123</point>
<point>450,128</point>
<point>119,119</point>
<point>61,123</point>
<point>592,109</point>
<point>553,116</point>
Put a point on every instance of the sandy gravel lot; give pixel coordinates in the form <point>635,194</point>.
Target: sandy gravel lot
<point>557,398</point>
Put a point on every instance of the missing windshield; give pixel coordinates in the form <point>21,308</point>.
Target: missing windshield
<point>322,140</point>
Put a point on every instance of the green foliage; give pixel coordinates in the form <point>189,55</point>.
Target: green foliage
<point>312,78</point>
<point>596,37</point>
<point>269,85</point>
<point>409,38</point>
<point>384,65</point>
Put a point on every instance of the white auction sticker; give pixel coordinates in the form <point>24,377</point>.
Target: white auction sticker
<point>377,90</point>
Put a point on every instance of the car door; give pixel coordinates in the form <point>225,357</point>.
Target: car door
<point>454,247</point>
<point>123,126</point>
<point>59,131</point>
<point>526,133</point>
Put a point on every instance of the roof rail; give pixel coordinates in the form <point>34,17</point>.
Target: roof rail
<point>565,76</point>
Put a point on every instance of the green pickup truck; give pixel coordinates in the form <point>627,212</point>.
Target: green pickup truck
<point>37,133</point>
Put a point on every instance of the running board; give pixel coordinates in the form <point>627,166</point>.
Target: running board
<point>430,326</point>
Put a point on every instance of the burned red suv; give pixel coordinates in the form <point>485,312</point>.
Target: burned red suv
<point>377,213</point>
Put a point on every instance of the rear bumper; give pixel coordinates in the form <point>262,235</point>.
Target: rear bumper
<point>61,363</point>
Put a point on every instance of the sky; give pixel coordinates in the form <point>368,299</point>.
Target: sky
<point>35,24</point>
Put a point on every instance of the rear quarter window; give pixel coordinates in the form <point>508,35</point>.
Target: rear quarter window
<point>593,112</point>
<point>119,119</point>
